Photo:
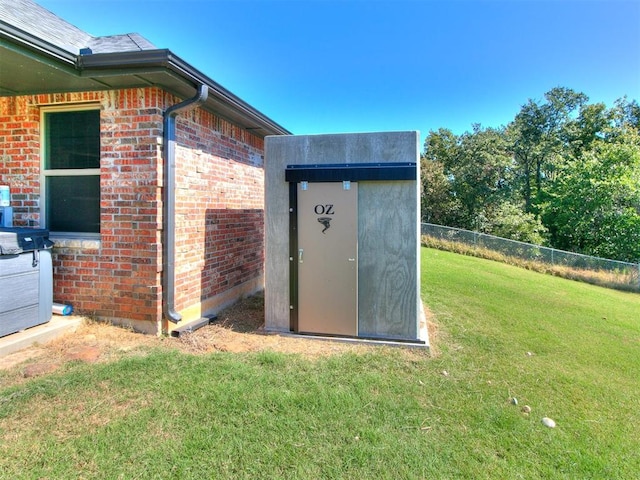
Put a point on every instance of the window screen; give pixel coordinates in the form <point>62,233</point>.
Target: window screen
<point>72,171</point>
<point>72,204</point>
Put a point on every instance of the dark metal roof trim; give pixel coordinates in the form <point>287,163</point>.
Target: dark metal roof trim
<point>131,63</point>
<point>352,172</point>
<point>120,62</point>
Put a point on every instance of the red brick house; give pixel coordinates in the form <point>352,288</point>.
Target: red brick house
<point>147,173</point>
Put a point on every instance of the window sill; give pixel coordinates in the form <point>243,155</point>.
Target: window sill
<point>78,243</point>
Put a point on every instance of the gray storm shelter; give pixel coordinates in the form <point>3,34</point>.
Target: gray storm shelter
<point>343,236</point>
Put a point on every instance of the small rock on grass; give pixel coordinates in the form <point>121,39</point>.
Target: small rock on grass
<point>514,401</point>
<point>526,409</point>
<point>548,422</point>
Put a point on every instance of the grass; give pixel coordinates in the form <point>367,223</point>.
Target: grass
<point>626,280</point>
<point>386,414</point>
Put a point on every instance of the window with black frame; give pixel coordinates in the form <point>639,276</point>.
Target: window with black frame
<point>71,171</point>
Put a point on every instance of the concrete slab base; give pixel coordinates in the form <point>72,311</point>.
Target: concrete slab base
<point>354,340</point>
<point>421,342</point>
<point>57,326</point>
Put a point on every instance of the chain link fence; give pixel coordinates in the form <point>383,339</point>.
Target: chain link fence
<point>536,253</point>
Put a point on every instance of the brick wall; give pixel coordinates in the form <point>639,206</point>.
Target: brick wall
<point>219,204</point>
<point>20,157</point>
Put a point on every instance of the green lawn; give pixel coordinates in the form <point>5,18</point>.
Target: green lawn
<point>569,350</point>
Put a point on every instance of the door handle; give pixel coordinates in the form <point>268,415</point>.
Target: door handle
<point>300,253</point>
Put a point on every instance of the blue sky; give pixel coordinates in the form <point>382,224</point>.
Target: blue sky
<point>337,66</point>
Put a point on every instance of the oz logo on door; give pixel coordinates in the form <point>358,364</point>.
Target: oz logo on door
<point>324,209</point>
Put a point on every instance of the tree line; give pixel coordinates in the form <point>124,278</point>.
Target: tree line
<point>564,173</point>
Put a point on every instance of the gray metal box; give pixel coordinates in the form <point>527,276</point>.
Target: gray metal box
<point>26,279</point>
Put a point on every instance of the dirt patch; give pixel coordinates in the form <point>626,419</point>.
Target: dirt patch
<point>90,342</point>
<point>240,329</point>
<point>237,329</point>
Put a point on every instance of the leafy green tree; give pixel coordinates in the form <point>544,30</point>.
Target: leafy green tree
<point>538,134</point>
<point>564,171</point>
<point>627,113</point>
<point>509,220</point>
<point>438,204</point>
<point>594,206</point>
<point>476,166</point>
<point>594,122</point>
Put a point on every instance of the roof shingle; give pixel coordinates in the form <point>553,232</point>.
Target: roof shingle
<point>35,20</point>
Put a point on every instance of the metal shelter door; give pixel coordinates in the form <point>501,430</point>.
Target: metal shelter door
<point>328,258</point>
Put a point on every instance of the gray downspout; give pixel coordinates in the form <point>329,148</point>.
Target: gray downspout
<point>169,201</point>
